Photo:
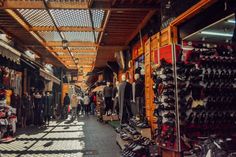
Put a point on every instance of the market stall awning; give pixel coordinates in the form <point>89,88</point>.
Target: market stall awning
<point>49,76</point>
<point>9,52</point>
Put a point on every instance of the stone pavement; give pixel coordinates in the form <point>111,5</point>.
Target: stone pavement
<point>85,137</point>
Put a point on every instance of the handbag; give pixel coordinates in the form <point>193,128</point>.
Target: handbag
<point>69,108</point>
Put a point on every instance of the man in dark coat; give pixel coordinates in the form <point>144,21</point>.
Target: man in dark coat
<point>47,112</point>
<point>38,106</point>
<point>66,103</point>
<point>125,95</point>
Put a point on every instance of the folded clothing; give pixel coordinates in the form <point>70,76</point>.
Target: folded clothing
<point>4,122</point>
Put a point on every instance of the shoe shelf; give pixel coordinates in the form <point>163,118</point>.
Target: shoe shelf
<point>206,81</point>
<point>195,94</point>
<point>165,111</point>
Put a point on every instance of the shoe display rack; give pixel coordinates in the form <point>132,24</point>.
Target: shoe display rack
<point>165,99</point>
<point>207,93</point>
<point>194,93</point>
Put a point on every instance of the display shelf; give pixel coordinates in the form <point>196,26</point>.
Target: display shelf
<point>106,118</point>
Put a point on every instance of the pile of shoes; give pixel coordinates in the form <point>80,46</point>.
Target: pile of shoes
<point>214,147</point>
<point>139,123</point>
<point>164,90</point>
<point>127,132</point>
<point>138,147</point>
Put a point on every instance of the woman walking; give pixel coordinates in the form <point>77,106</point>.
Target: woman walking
<point>74,103</point>
<point>86,104</point>
<point>93,103</point>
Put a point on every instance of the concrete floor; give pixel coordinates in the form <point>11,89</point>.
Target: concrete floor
<point>85,137</point>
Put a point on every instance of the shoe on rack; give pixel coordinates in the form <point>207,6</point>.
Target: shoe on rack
<point>156,101</point>
<point>143,125</point>
<point>169,86</point>
<point>160,88</point>
<point>170,107</point>
<point>170,123</point>
<point>170,115</point>
<point>134,132</point>
<point>138,147</point>
<point>167,71</point>
<point>156,112</point>
<point>125,137</point>
<point>168,78</point>
<point>181,85</point>
<point>159,120</point>
<point>169,93</point>
<point>169,100</point>
<point>118,129</point>
<point>146,141</point>
<point>158,80</point>
<point>123,125</point>
<point>196,72</point>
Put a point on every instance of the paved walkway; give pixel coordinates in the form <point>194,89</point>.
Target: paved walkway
<point>85,137</point>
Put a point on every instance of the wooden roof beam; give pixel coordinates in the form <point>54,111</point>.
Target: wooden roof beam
<point>104,25</point>
<point>70,44</point>
<point>74,50</point>
<point>195,9</point>
<point>16,4</point>
<point>65,29</point>
<point>79,56</point>
<point>140,26</point>
<point>106,5</point>
<point>27,28</point>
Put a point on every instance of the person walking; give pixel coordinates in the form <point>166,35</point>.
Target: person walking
<point>74,103</point>
<point>86,104</point>
<point>82,105</point>
<point>79,104</point>
<point>66,103</point>
<point>38,105</point>
<point>25,109</point>
<point>47,112</point>
<point>93,103</point>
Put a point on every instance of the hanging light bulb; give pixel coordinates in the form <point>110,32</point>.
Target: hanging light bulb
<point>76,61</point>
<point>65,44</point>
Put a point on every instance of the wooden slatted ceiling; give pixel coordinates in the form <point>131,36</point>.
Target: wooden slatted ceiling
<point>123,2</point>
<point>71,4</point>
<point>23,38</point>
<point>125,19</point>
<point>120,30</point>
<point>120,25</point>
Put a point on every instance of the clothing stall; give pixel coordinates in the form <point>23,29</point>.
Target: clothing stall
<point>10,91</point>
